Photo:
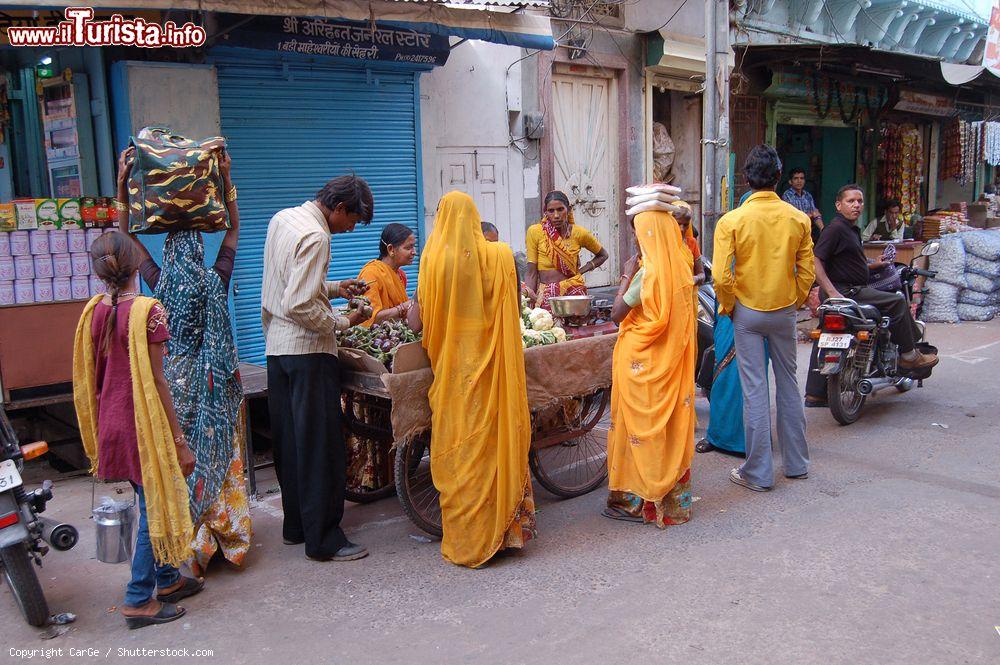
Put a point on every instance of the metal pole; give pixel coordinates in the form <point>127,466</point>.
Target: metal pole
<point>710,135</point>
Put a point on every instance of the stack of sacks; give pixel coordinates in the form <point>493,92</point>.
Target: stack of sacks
<point>654,196</point>
<point>967,286</point>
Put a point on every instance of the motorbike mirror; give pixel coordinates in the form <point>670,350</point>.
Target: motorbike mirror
<point>930,248</point>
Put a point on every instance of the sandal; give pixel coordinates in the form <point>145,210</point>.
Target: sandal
<point>619,514</point>
<point>168,612</point>
<point>704,446</point>
<point>189,588</point>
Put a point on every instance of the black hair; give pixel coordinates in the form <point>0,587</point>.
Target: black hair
<point>353,192</point>
<point>555,195</point>
<point>892,203</point>
<point>392,234</point>
<point>852,187</point>
<point>794,172</point>
<point>488,227</point>
<point>762,167</point>
<point>114,259</point>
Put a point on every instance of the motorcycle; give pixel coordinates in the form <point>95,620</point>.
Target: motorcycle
<point>855,351</point>
<point>706,326</point>
<point>25,537</point>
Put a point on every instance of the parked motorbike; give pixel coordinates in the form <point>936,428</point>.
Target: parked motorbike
<point>706,326</point>
<point>25,536</point>
<point>856,353</point>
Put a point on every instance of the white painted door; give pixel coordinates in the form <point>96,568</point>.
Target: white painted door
<point>585,143</point>
<point>482,174</point>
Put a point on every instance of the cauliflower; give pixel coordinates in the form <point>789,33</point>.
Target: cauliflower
<point>548,337</point>
<point>559,333</point>
<point>541,319</point>
<point>523,327</point>
<point>531,338</point>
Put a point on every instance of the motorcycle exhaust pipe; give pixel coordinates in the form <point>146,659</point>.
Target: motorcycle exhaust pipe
<point>60,536</point>
<point>870,386</point>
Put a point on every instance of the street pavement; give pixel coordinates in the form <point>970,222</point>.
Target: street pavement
<point>886,554</point>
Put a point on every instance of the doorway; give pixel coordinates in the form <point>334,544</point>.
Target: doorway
<point>828,155</point>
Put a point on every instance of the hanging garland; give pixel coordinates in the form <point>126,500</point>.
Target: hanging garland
<point>821,113</point>
<point>838,95</point>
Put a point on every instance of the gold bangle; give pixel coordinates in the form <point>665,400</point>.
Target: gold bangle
<point>120,207</point>
<point>231,194</point>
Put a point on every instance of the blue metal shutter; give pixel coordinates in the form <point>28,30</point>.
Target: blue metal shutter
<point>292,125</point>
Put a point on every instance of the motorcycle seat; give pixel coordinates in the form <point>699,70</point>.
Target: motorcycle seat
<point>870,312</point>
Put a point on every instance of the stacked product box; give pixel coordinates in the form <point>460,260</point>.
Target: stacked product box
<point>45,251</point>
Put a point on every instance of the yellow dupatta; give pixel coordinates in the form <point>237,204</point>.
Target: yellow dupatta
<point>167,508</point>
<point>651,441</point>
<point>480,425</point>
<point>386,289</point>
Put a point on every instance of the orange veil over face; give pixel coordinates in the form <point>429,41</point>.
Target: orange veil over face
<point>651,441</point>
<point>480,425</point>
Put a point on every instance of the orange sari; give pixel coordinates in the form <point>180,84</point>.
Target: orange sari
<point>388,287</point>
<point>651,440</point>
<point>480,425</point>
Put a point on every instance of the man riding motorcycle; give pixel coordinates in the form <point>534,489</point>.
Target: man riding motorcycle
<point>843,271</point>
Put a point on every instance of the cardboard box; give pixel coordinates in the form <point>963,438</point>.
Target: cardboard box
<point>47,214</point>
<point>26,217</point>
<point>70,216</point>
<point>409,357</point>
<point>8,217</point>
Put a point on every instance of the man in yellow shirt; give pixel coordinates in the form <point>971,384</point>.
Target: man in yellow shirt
<point>764,269</point>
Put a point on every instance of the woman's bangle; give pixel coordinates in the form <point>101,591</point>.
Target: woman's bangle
<point>180,441</point>
<point>231,194</point>
<point>120,207</point>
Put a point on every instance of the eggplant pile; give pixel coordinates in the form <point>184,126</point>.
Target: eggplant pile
<point>378,341</point>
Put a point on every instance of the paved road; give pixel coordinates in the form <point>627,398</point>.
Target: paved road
<point>887,554</point>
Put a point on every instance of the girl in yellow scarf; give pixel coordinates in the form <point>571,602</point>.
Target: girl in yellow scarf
<point>651,438</point>
<point>396,249</point>
<point>467,304</point>
<point>130,430</point>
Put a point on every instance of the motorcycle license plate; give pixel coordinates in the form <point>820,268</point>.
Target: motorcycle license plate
<point>9,477</point>
<point>831,341</point>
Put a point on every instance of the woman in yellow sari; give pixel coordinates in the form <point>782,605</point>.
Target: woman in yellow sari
<point>468,307</point>
<point>651,438</point>
<point>554,246</point>
<point>387,282</point>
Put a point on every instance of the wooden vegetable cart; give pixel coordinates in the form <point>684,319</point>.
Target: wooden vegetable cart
<point>387,424</point>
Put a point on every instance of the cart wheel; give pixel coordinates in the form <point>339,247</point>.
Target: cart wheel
<point>364,495</point>
<point>414,486</point>
<point>576,466</point>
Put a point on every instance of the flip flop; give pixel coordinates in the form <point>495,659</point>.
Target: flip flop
<point>704,446</point>
<point>621,515</point>
<point>168,612</point>
<point>189,588</point>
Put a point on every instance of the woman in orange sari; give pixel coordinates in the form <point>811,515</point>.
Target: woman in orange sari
<point>554,246</point>
<point>387,282</point>
<point>468,307</point>
<point>651,438</point>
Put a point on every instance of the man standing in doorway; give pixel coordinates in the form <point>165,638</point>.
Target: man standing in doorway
<point>764,270</point>
<point>797,196</point>
<point>843,271</point>
<point>303,378</point>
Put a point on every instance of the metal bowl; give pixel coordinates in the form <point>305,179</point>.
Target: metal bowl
<point>565,306</point>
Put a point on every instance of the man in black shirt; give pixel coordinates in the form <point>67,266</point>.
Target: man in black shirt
<point>842,271</point>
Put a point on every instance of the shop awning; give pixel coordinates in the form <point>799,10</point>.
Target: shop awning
<point>677,57</point>
<point>496,21</point>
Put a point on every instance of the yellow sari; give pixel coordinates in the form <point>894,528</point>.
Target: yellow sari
<point>651,441</point>
<point>167,508</point>
<point>480,425</point>
<point>387,289</point>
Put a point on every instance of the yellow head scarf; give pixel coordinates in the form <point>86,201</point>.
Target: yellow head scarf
<point>651,441</point>
<point>480,425</point>
<point>167,507</point>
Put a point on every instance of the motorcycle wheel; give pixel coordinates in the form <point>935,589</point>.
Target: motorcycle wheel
<point>15,564</point>
<point>843,397</point>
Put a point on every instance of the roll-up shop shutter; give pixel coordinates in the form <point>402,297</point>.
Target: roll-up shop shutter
<point>292,125</point>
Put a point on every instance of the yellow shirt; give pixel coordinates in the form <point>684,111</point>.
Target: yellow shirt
<point>763,255</point>
<point>538,251</point>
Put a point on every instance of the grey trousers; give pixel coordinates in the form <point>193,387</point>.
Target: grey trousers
<point>752,328</point>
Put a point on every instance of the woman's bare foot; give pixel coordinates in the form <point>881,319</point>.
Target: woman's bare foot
<point>151,608</point>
